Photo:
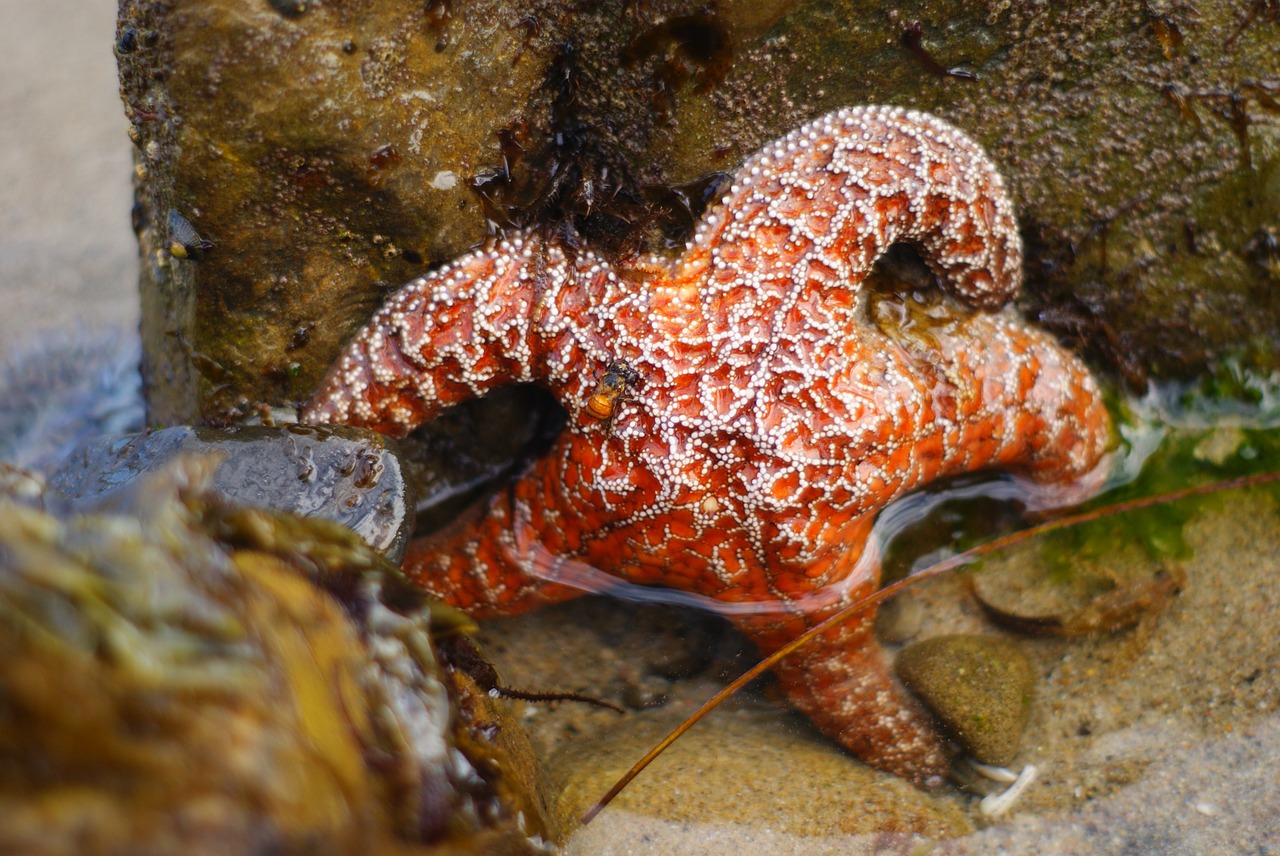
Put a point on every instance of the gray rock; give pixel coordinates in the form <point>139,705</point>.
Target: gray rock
<point>350,476</point>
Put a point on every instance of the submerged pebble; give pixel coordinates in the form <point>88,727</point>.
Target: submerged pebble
<point>979,687</point>
<point>1089,598</point>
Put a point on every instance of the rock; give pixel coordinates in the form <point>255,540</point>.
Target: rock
<point>350,476</point>
<point>167,692</point>
<point>1025,593</point>
<point>979,687</point>
<point>329,158</point>
<point>322,160</point>
<point>750,769</point>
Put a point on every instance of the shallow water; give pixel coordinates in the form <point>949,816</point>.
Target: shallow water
<point>67,387</point>
<point>1169,725</point>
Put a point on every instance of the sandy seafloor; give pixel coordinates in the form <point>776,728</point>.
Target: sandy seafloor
<point>1166,742</point>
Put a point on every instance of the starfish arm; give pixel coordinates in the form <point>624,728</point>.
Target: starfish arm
<point>841,681</point>
<point>824,202</point>
<point>517,312</point>
<point>508,554</point>
<point>1012,399</point>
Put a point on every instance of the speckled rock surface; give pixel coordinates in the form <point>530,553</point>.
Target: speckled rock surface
<point>979,687</point>
<point>328,158</point>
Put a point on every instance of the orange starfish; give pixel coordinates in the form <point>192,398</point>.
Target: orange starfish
<point>761,406</point>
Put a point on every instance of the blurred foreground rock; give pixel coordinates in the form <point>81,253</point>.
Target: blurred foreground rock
<point>181,675</point>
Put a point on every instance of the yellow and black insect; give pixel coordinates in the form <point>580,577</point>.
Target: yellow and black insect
<point>611,387</point>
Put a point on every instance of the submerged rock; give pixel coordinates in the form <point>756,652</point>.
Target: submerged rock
<point>347,475</point>
<point>1091,597</point>
<point>751,769</point>
<point>979,687</point>
<point>177,679</point>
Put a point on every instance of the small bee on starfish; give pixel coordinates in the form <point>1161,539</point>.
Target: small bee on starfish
<point>611,387</point>
<point>782,404</point>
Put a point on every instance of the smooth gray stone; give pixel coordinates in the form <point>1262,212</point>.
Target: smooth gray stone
<point>339,473</point>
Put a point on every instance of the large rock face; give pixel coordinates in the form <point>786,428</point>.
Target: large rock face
<point>327,151</point>
<point>322,149</point>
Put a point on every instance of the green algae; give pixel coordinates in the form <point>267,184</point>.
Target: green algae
<point>1224,426</point>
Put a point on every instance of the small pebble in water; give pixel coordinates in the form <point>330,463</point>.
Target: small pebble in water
<point>980,687</point>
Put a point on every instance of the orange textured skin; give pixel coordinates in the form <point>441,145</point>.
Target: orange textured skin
<point>779,406</point>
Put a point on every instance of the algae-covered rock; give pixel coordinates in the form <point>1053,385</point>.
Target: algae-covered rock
<point>180,676</point>
<point>312,155</point>
<point>979,687</point>
<point>297,161</point>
